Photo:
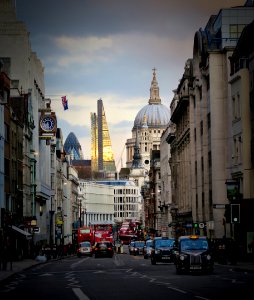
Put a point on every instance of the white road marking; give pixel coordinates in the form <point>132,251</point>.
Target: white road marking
<point>80,294</point>
<point>201,298</point>
<point>176,289</point>
<point>74,265</point>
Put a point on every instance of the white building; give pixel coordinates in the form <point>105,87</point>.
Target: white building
<point>112,201</point>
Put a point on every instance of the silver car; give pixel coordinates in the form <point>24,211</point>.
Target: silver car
<point>131,247</point>
<point>147,249</point>
<point>85,249</point>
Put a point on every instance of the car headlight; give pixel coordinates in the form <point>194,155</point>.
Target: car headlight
<point>157,251</point>
<point>182,257</point>
<point>208,257</point>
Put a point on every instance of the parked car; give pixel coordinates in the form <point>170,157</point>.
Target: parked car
<point>84,249</point>
<point>194,254</point>
<point>137,248</point>
<point>147,249</point>
<point>103,248</point>
<point>163,250</point>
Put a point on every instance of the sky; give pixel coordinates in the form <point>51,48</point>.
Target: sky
<point>106,49</point>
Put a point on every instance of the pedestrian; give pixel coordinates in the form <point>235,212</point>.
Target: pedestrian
<point>222,251</point>
<point>251,246</point>
<point>6,254</point>
<point>232,251</point>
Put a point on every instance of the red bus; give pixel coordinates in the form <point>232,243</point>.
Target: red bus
<point>130,230</point>
<point>85,233</point>
<point>102,231</point>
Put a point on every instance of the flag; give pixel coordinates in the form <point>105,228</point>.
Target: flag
<point>65,102</point>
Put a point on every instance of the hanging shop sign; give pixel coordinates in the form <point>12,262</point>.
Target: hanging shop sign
<point>47,125</point>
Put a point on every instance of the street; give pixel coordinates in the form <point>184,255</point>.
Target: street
<point>123,277</point>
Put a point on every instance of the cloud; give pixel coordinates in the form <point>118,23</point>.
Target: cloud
<point>82,50</point>
<point>107,49</point>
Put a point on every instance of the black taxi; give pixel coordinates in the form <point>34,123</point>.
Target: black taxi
<point>162,250</point>
<point>193,254</point>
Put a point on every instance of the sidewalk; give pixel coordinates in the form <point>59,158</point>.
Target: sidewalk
<point>18,266</point>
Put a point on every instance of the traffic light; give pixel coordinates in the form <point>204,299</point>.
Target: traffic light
<point>195,225</point>
<point>235,213</point>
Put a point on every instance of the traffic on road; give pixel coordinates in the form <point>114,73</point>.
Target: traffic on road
<point>123,276</point>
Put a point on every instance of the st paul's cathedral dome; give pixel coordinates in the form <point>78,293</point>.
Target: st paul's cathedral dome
<point>155,114</point>
<point>149,125</point>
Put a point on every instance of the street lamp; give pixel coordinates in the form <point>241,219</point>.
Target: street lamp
<point>85,215</point>
<point>32,159</point>
<point>51,222</point>
<point>80,213</point>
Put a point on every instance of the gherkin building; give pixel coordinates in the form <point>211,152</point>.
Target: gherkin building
<point>72,147</point>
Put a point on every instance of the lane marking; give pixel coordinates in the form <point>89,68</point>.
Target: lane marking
<point>176,289</point>
<point>80,294</point>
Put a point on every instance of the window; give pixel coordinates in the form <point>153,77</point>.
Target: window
<point>237,151</point>
<point>208,120</point>
<point>201,128</point>
<point>6,132</point>
<point>235,30</point>
<point>236,107</point>
<point>6,167</point>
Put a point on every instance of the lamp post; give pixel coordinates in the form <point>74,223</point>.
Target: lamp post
<point>85,215</point>
<point>33,181</point>
<point>80,212</point>
<point>51,222</point>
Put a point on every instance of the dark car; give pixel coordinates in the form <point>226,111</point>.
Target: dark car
<point>136,248</point>
<point>193,254</point>
<point>105,249</point>
<point>163,250</point>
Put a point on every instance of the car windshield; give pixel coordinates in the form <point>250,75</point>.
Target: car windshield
<point>84,231</point>
<point>148,243</point>
<point>84,244</point>
<point>139,244</point>
<point>194,244</point>
<point>164,243</point>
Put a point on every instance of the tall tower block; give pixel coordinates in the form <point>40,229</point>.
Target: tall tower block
<point>102,157</point>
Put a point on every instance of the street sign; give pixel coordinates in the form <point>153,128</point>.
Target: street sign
<point>201,225</point>
<point>36,229</point>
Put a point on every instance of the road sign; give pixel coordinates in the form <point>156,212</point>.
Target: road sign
<point>201,225</point>
<point>36,229</point>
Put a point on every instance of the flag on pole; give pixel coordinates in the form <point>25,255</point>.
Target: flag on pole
<point>65,102</point>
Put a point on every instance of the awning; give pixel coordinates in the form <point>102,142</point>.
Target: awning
<point>25,233</point>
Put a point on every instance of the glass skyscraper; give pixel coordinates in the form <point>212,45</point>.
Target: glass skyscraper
<point>72,147</point>
<point>102,157</point>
